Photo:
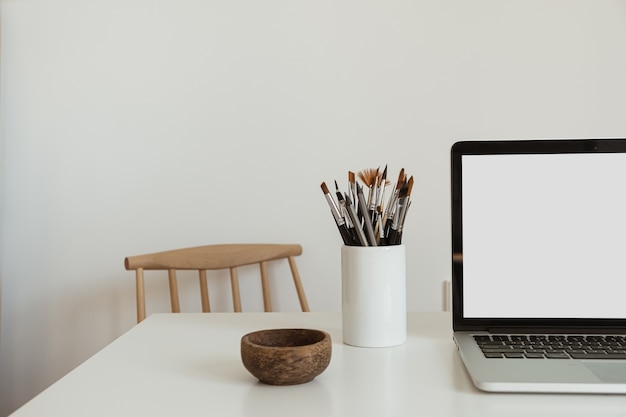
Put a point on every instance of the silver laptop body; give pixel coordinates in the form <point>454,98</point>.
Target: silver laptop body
<point>539,264</point>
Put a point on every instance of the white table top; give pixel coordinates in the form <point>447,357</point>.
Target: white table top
<point>189,365</point>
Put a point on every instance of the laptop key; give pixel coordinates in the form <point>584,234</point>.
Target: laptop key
<point>492,355</point>
<point>502,350</point>
<point>490,343</point>
<point>598,355</point>
<point>534,355</point>
<point>558,355</point>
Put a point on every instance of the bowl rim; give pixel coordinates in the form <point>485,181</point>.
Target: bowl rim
<point>246,338</point>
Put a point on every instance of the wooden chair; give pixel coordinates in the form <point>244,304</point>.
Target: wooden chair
<point>215,257</point>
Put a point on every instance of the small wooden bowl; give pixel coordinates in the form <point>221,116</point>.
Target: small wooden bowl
<point>286,356</point>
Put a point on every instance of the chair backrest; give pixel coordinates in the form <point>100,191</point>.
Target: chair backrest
<point>214,257</point>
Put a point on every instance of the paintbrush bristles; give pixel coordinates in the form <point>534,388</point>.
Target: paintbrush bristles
<point>410,186</point>
<point>368,176</point>
<point>401,179</point>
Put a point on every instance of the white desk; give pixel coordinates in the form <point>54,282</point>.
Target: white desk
<point>189,365</point>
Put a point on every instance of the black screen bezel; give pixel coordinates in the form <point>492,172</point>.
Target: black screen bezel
<point>511,147</point>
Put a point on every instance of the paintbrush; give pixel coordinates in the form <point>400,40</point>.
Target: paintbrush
<point>395,235</point>
<point>369,231</point>
<point>391,205</point>
<point>380,193</point>
<point>352,187</point>
<point>341,223</point>
<point>380,189</point>
<point>368,177</point>
<point>361,239</point>
<point>353,196</point>
<point>341,204</point>
<point>401,223</point>
<point>406,209</point>
<point>344,213</point>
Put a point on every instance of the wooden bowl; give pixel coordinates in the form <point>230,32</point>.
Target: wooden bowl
<point>286,356</point>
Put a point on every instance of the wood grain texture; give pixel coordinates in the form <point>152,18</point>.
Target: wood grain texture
<point>215,257</point>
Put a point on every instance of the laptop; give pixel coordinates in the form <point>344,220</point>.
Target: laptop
<point>539,264</point>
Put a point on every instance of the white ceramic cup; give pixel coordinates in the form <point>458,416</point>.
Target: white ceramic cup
<point>373,295</point>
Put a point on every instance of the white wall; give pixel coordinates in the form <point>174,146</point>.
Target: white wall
<point>138,125</point>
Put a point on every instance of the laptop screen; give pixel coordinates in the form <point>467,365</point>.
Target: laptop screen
<point>539,231</point>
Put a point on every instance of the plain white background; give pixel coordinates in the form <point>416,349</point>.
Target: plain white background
<point>140,125</point>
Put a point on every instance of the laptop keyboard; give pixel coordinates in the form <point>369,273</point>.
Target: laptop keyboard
<point>552,347</point>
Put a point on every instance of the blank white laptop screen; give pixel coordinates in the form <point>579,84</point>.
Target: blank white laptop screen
<point>544,236</point>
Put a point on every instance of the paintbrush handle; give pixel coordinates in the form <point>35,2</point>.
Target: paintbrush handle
<point>395,233</point>
<point>345,235</point>
<point>362,240</point>
<point>369,231</point>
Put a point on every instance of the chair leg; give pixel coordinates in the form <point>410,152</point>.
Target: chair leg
<point>298,283</point>
<point>141,296</point>
<point>267,298</point>
<point>204,292</point>
<point>174,291</point>
<point>234,283</point>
